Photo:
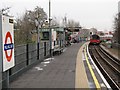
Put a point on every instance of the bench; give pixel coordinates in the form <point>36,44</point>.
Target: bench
<point>57,50</point>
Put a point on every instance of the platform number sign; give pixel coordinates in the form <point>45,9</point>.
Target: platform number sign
<point>7,42</point>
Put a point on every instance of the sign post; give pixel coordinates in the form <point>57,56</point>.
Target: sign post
<point>0,53</point>
<point>7,45</point>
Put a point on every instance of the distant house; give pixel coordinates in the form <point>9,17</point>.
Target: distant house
<point>93,31</point>
<point>85,34</point>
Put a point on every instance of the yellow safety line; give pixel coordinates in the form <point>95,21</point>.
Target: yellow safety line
<point>92,73</point>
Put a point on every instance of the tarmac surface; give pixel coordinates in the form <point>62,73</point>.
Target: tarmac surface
<point>56,72</point>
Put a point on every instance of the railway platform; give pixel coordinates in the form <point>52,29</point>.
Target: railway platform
<point>72,69</point>
<point>55,72</point>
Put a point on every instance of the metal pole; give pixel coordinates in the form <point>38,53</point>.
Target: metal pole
<point>50,32</point>
<point>7,79</point>
<point>38,42</point>
<point>1,54</point>
<point>38,37</point>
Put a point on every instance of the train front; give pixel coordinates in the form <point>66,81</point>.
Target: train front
<point>95,39</point>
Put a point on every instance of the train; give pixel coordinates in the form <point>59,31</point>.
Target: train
<point>95,39</point>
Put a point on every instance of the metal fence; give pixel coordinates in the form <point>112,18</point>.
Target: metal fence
<point>25,57</point>
<point>27,53</point>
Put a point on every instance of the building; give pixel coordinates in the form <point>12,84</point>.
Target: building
<point>84,34</point>
<point>93,31</point>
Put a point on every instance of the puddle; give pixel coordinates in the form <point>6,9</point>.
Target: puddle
<point>38,68</point>
<point>45,65</point>
<point>92,66</point>
<point>64,49</point>
<point>102,85</point>
<point>48,59</point>
<point>91,84</point>
<point>45,62</point>
<point>71,70</point>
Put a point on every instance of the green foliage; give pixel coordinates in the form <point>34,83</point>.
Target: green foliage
<point>21,38</point>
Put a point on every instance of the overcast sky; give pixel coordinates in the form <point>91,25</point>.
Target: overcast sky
<point>90,13</point>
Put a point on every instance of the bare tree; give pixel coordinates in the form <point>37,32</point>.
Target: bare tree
<point>5,11</point>
<point>117,28</point>
<point>55,22</point>
<point>72,23</point>
<point>27,23</point>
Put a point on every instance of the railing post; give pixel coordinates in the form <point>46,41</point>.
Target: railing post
<point>38,51</point>
<point>27,54</point>
<point>44,48</point>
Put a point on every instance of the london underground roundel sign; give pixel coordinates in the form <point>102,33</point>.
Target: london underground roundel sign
<point>7,50</point>
<point>8,46</point>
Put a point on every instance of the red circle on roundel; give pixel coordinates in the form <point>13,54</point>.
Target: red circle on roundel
<point>8,35</point>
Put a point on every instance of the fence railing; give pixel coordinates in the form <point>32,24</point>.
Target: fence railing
<point>26,56</point>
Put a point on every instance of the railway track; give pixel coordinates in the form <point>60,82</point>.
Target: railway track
<point>108,65</point>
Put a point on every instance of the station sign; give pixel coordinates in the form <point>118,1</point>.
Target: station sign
<point>7,42</point>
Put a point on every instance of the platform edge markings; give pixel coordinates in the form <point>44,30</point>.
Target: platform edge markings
<point>81,80</point>
<point>104,80</point>
<point>92,72</point>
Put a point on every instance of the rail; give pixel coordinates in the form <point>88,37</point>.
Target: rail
<point>98,58</point>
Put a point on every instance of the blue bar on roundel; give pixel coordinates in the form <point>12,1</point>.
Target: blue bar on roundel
<point>8,46</point>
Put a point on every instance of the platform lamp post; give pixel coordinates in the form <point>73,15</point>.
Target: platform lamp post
<point>50,30</point>
<point>37,28</point>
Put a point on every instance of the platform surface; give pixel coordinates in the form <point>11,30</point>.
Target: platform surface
<point>58,72</point>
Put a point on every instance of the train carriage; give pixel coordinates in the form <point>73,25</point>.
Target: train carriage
<point>95,39</point>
